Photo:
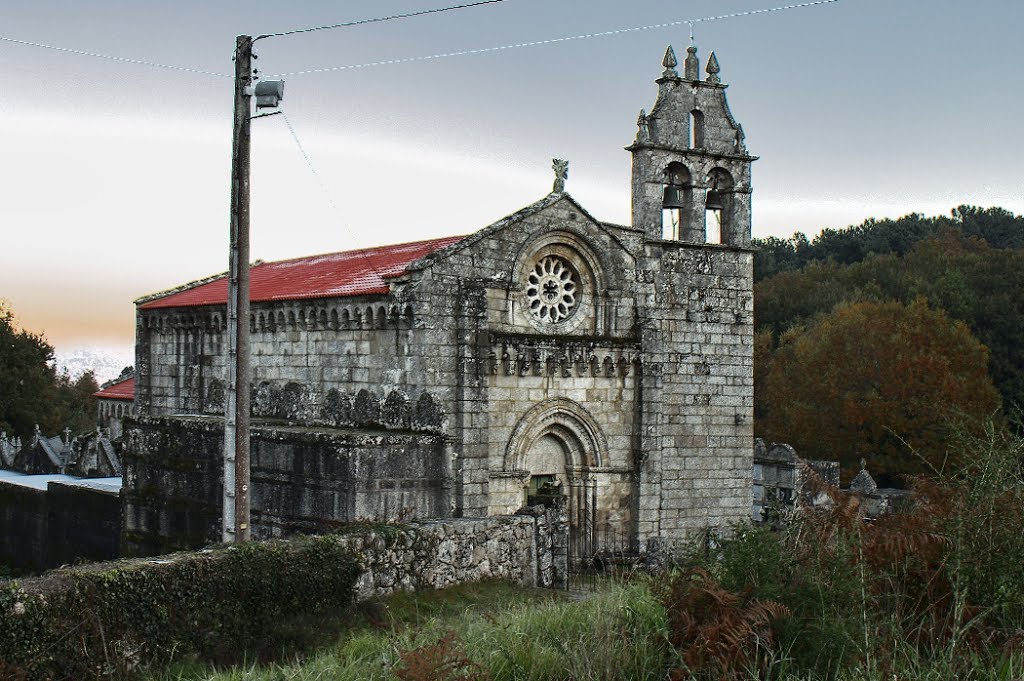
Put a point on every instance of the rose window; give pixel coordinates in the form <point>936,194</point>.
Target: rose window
<point>551,290</point>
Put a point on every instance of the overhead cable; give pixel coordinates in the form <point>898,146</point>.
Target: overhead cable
<point>405,60</point>
<point>110,57</point>
<point>550,41</point>
<point>391,17</point>
<point>327,193</point>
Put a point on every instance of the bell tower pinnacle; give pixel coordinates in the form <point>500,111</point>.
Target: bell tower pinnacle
<point>691,169</point>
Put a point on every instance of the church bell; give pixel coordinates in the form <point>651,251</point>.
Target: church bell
<point>715,200</point>
<point>673,198</point>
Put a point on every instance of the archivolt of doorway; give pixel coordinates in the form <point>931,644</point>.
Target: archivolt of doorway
<point>554,447</point>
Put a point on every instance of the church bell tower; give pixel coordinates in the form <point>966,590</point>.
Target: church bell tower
<point>691,169</point>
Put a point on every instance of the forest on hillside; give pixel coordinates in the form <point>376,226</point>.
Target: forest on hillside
<point>875,342</point>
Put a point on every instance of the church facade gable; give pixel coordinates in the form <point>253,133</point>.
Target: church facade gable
<point>543,364</point>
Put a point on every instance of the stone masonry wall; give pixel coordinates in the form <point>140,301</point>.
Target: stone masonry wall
<point>698,393</point>
<point>406,557</point>
<point>302,480</point>
<point>302,350</point>
<point>436,554</point>
<point>496,362</point>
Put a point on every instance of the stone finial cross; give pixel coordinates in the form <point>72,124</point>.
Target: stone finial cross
<point>643,133</point>
<point>713,69</point>
<point>561,169</point>
<point>669,62</point>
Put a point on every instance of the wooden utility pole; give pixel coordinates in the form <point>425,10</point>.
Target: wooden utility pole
<point>236,407</point>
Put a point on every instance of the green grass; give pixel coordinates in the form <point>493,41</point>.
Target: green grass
<point>508,632</point>
<point>502,631</point>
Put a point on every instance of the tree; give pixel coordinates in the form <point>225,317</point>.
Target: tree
<point>27,387</point>
<point>876,380</point>
<point>965,277</point>
<point>76,402</point>
<point>998,227</point>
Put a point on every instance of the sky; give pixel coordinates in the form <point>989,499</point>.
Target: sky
<point>115,175</point>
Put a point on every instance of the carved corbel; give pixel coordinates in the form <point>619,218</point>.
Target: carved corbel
<point>523,363</point>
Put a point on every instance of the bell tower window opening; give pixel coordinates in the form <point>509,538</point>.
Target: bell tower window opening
<point>713,226</point>
<point>670,224</point>
<point>696,129</point>
<point>717,206</point>
<point>674,200</point>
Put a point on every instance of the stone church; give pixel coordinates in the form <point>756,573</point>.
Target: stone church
<point>547,354</point>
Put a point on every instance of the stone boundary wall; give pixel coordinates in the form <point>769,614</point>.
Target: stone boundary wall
<point>63,523</point>
<point>23,517</point>
<point>527,548</point>
<point>71,622</point>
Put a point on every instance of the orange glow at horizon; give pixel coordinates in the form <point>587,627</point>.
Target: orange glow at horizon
<point>69,317</point>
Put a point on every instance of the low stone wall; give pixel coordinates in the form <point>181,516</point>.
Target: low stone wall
<point>23,517</point>
<point>84,524</point>
<point>302,480</point>
<point>58,625</point>
<point>57,523</point>
<point>435,554</point>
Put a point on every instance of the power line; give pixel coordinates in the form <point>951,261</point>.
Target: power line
<point>405,60</point>
<point>188,69</point>
<point>379,19</point>
<point>309,162</point>
<point>327,193</point>
<point>550,41</point>
<point>110,57</point>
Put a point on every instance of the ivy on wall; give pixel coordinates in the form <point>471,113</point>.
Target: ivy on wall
<point>100,621</point>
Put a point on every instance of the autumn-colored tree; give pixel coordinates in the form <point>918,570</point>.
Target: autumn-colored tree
<point>764,351</point>
<point>965,277</point>
<point>880,381</point>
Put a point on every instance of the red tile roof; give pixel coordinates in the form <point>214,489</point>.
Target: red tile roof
<point>332,275</point>
<point>122,390</point>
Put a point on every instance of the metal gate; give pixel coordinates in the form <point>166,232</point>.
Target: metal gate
<point>594,559</point>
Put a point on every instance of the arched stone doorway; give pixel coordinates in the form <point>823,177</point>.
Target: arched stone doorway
<point>558,442</point>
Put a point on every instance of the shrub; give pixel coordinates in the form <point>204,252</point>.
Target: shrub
<point>715,631</point>
<point>940,582</point>
<point>104,621</point>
